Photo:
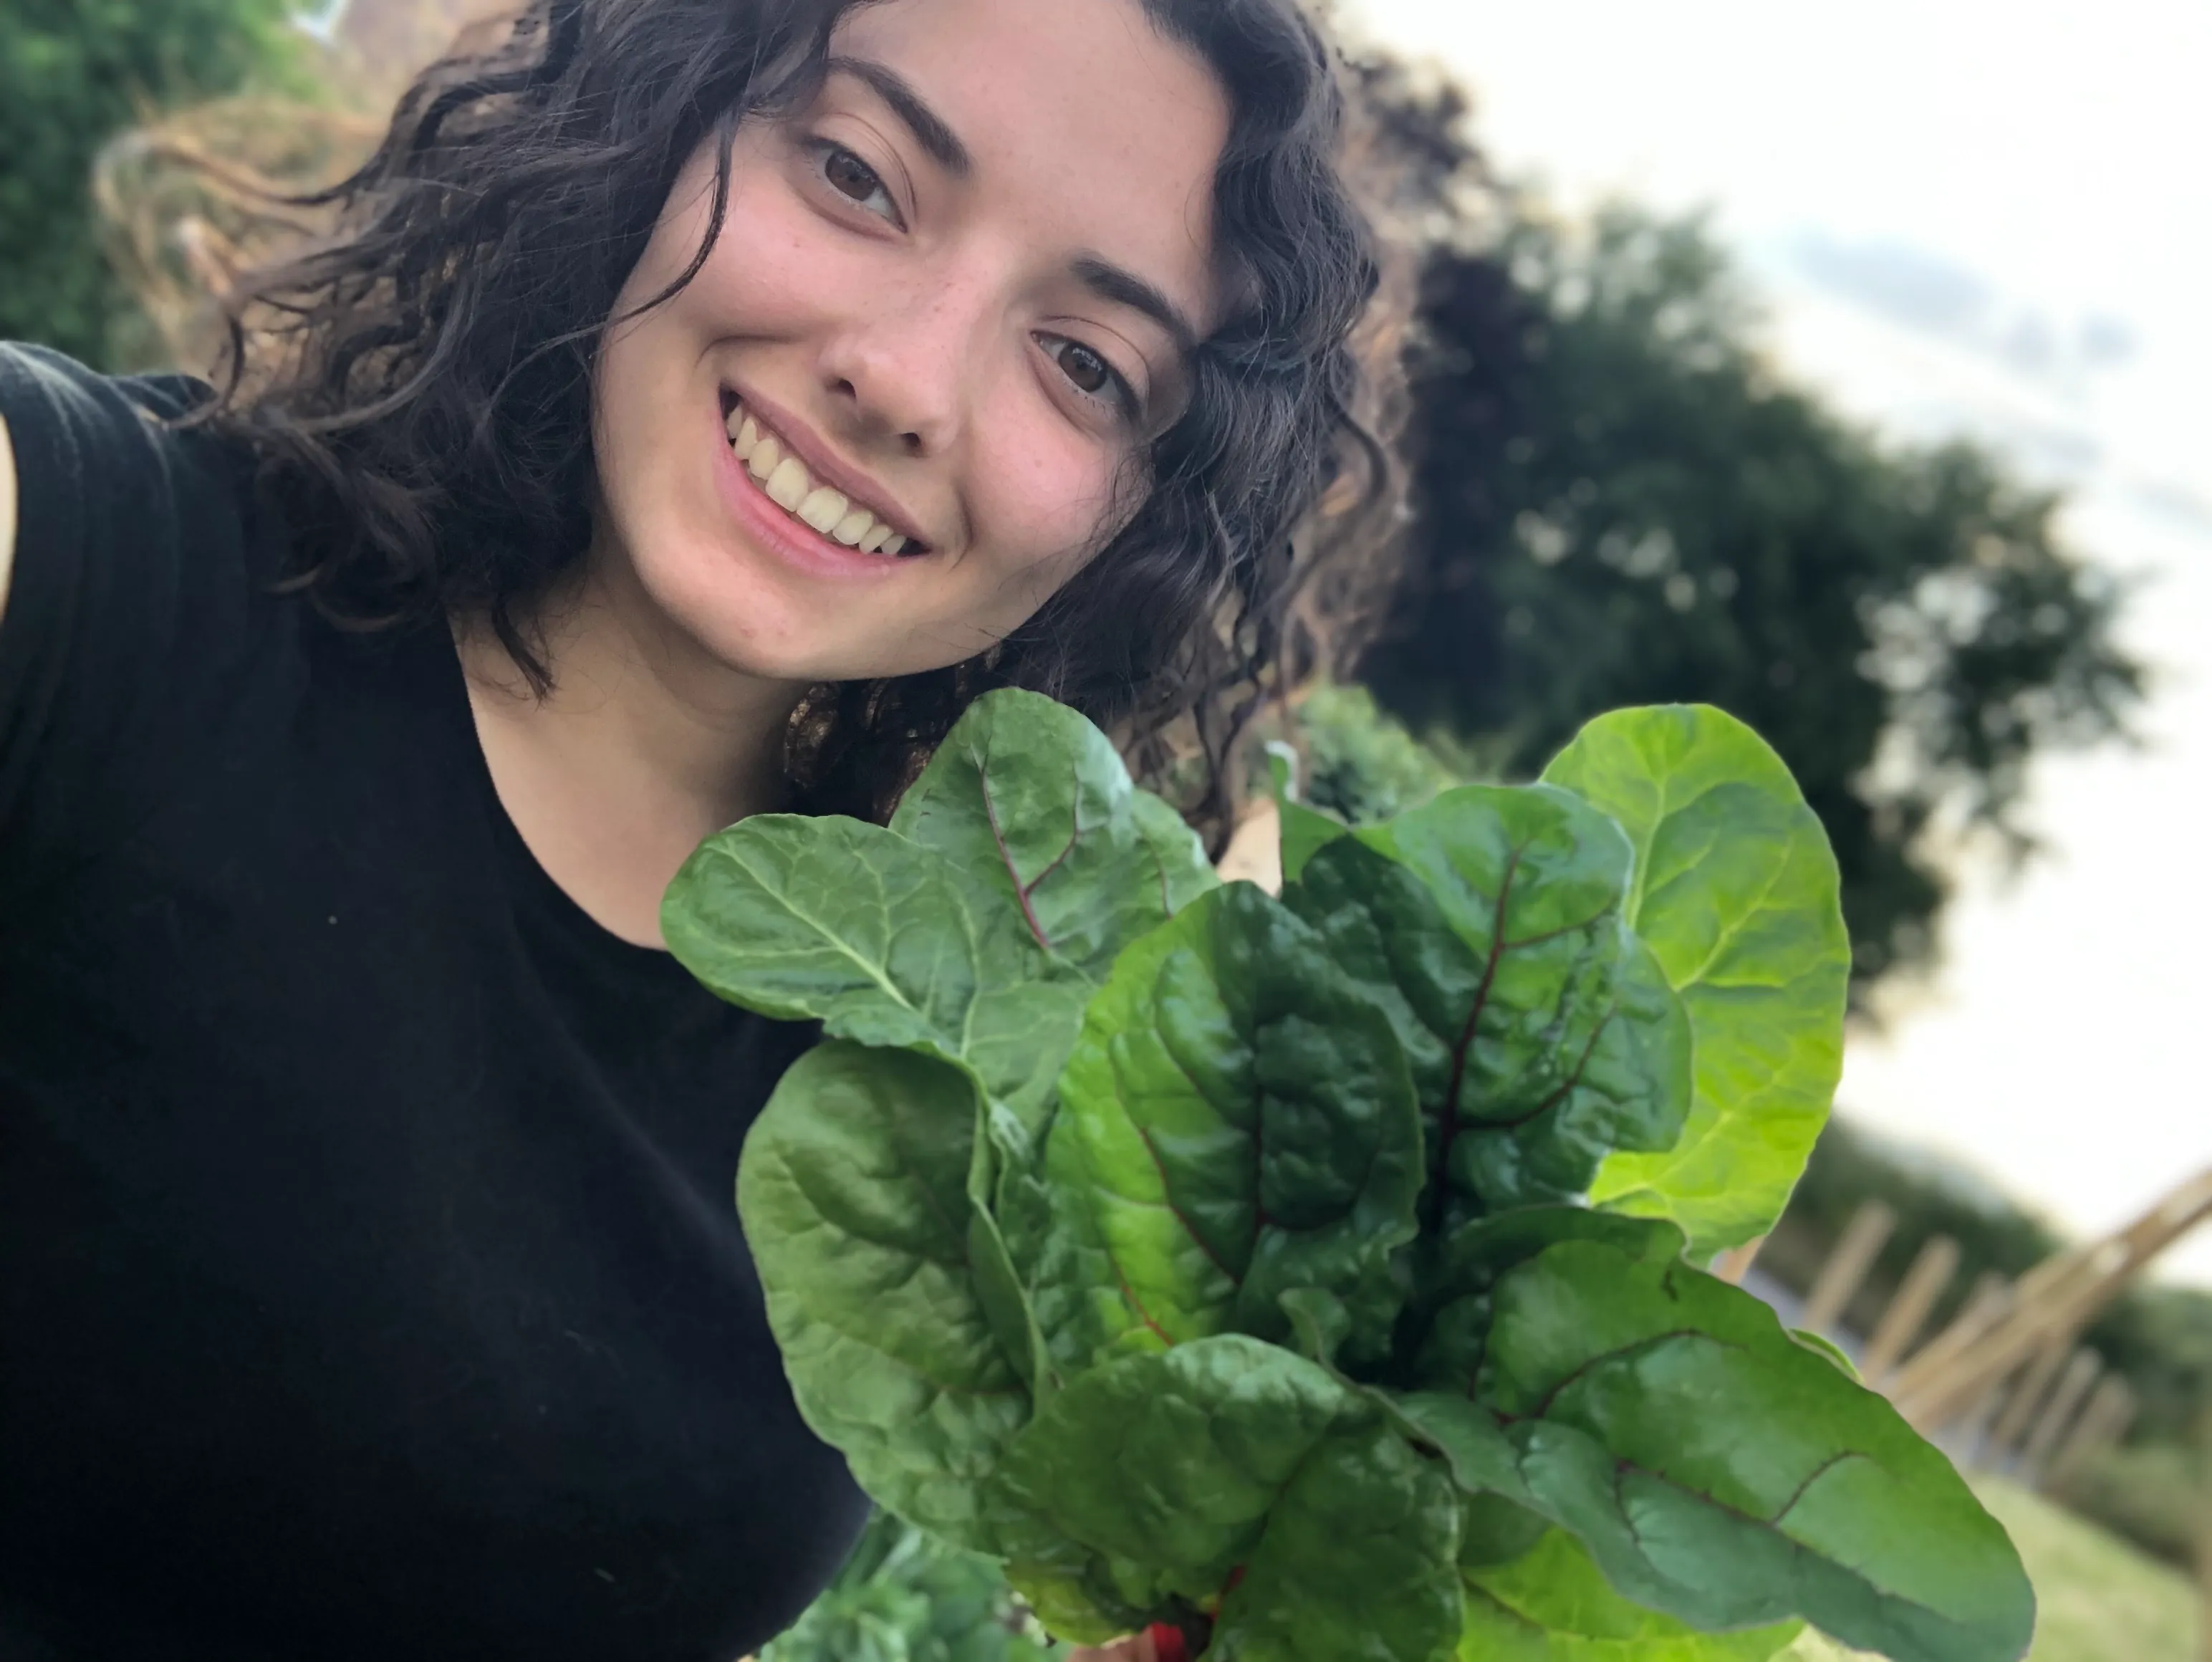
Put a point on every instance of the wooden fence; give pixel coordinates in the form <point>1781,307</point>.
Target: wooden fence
<point>2006,1382</point>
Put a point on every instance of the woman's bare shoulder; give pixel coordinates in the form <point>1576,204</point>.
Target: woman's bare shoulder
<point>7,512</point>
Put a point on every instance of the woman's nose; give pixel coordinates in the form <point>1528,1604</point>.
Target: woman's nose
<point>901,371</point>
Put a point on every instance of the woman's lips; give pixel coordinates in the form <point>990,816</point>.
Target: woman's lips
<point>793,543</point>
<point>787,482</point>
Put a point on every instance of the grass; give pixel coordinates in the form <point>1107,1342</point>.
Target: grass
<point>2097,1599</point>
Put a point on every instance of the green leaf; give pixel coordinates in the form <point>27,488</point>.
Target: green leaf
<point>972,929</point>
<point>1033,807</point>
<point>1449,1333</point>
<point>1495,1528</point>
<point>1304,832</point>
<point>1185,872</point>
<point>1467,1436</point>
<point>1494,1531</point>
<point>1736,893</point>
<point>1357,1561</point>
<point>1820,1345</point>
<point>904,1597</point>
<point>1172,1462</point>
<point>1539,1033</point>
<point>1004,1297</point>
<point>1011,1229</point>
<point>853,1195</point>
<point>1076,1598</point>
<point>1552,1604</point>
<point>1236,1122</point>
<point>879,940</point>
<point>1319,1321</point>
<point>1045,1258</point>
<point>1721,1472</point>
<point>1230,1460</point>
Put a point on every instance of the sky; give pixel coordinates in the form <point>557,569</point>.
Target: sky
<point>1996,220</point>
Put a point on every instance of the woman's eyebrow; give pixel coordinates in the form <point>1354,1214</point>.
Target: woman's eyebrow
<point>1122,286</point>
<point>928,127</point>
<point>1111,282</point>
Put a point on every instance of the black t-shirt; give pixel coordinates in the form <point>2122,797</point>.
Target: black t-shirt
<point>370,1282</point>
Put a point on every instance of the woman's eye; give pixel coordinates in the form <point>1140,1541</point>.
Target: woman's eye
<point>855,180</point>
<point>1084,368</point>
<point>1092,376</point>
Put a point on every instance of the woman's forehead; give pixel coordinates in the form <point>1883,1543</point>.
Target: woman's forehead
<point>1077,121</point>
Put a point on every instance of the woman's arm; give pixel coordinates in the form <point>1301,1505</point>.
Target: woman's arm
<point>7,512</point>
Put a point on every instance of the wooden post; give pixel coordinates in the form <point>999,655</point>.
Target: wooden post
<point>1989,1302</point>
<point>1969,1429</point>
<point>1907,1314</point>
<point>2053,1301</point>
<point>2027,1396</point>
<point>1933,1387</point>
<point>1860,1244</point>
<point>1956,1349</point>
<point>2082,1372</point>
<point>1733,1265</point>
<point>2204,1580</point>
<point>2204,1534</point>
<point>2102,1424</point>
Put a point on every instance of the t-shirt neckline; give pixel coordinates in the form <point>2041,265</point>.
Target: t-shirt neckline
<point>516,853</point>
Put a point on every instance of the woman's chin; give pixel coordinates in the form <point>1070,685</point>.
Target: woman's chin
<point>755,613</point>
<point>756,623</point>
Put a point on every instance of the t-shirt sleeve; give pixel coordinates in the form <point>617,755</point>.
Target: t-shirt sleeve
<point>131,590</point>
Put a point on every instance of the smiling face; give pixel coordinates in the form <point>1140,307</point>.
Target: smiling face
<point>949,304</point>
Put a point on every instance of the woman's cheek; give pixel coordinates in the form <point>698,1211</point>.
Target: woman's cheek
<point>768,248</point>
<point>1060,489</point>
<point>764,273</point>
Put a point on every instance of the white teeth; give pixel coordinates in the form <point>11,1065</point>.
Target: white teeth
<point>786,482</point>
<point>825,510</point>
<point>787,486</point>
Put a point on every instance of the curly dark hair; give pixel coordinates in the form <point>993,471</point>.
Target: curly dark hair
<point>417,385</point>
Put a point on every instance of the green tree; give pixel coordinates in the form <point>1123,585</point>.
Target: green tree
<point>73,74</point>
<point>1617,502</point>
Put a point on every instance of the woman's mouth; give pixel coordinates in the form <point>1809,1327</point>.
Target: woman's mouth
<point>784,480</point>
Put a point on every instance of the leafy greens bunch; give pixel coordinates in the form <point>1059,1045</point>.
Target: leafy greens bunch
<point>1320,1274</point>
<point>904,1596</point>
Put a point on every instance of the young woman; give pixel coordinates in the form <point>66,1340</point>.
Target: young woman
<point>702,401</point>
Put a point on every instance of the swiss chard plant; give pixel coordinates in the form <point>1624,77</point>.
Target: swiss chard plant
<point>1320,1273</point>
<point>903,1596</point>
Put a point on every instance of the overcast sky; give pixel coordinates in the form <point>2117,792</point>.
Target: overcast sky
<point>1994,219</point>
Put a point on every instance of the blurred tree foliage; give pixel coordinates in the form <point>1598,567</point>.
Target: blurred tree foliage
<point>1360,765</point>
<point>74,73</point>
<point>1616,501</point>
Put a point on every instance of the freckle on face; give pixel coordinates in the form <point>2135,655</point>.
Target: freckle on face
<point>909,354</point>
